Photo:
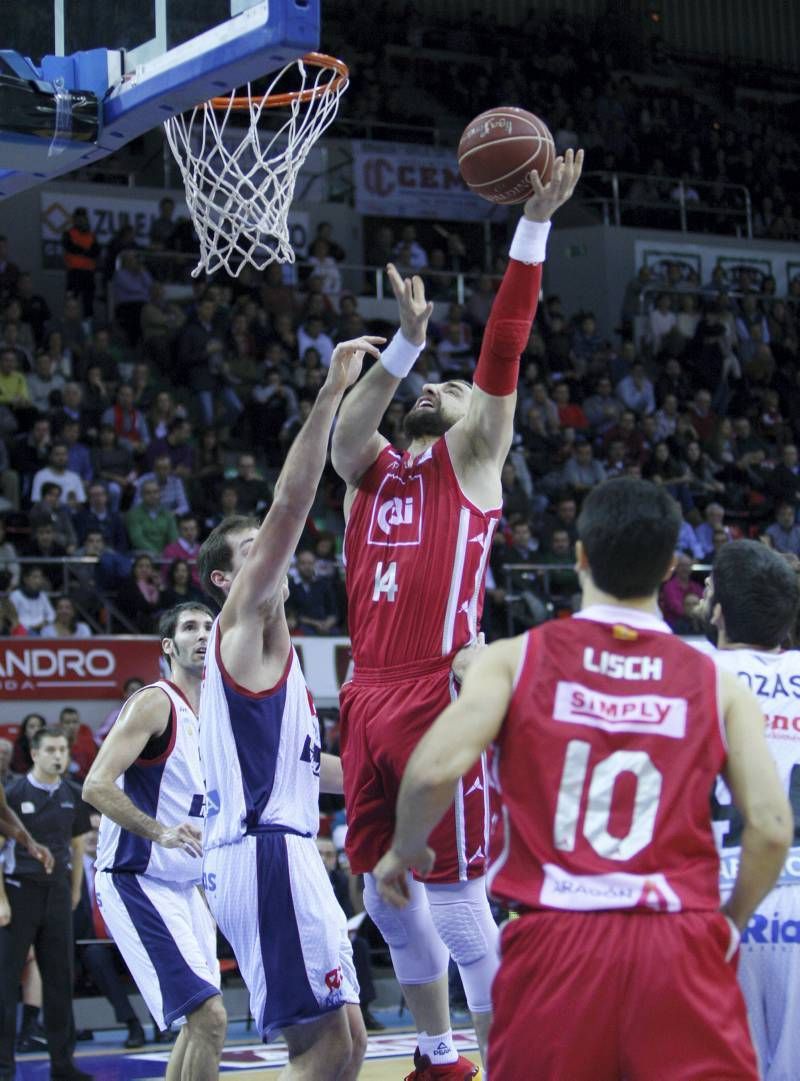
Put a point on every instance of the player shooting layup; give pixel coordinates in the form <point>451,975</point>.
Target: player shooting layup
<point>147,782</point>
<point>609,733</point>
<point>752,597</point>
<point>260,744</point>
<point>419,533</point>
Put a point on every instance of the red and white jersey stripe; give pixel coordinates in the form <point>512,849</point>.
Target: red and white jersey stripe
<point>416,551</point>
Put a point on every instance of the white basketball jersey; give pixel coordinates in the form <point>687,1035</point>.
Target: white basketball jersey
<point>775,680</point>
<point>260,752</point>
<point>169,788</point>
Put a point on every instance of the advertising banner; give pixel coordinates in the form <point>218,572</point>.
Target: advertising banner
<point>74,668</point>
<point>396,180</point>
<point>108,213</point>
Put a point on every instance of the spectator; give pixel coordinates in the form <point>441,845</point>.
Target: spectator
<point>586,342</point>
<point>172,494</point>
<point>228,504</point>
<point>179,586</point>
<point>254,493</point>
<point>162,228</point>
<point>132,284</point>
<point>31,602</point>
<point>602,409</point>
<point>81,252</point>
<point>113,465</point>
<point>45,384</point>
<point>78,457</point>
<point>186,547</point>
<point>565,517</point>
<point>570,415</point>
<point>662,322</point>
<point>107,574</point>
<point>713,520</point>
<point>129,687</point>
<point>80,739</point>
<point>523,589</point>
<point>30,452</point>
<point>66,623</point>
<point>9,568</point>
<point>73,408</point>
<point>481,299</point>
<point>783,533</point>
<point>14,393</point>
<point>56,472</point>
<point>674,594</point>
<point>43,546</point>
<point>312,600</point>
<point>160,323</point>
<point>409,251</point>
<point>10,625</point>
<point>9,272</point>
<point>582,472</point>
<point>151,526</point>
<point>561,585</point>
<point>516,501</point>
<point>688,542</point>
<point>666,419</point>
<point>97,515</point>
<point>323,265</point>
<point>312,334</point>
<point>177,446</point>
<point>784,481</point>
<point>51,512</point>
<point>139,596</point>
<point>628,435</point>
<point>7,775</point>
<point>21,760</point>
<point>127,421</point>
<point>635,391</point>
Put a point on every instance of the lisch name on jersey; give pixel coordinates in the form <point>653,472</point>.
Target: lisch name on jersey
<point>618,666</point>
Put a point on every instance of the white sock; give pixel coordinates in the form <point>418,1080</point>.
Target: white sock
<point>439,1049</point>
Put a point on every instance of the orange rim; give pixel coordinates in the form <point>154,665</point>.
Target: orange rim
<point>278,101</point>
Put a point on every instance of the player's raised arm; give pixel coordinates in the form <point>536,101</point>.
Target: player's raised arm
<point>447,750</point>
<point>757,793</point>
<point>485,433</point>
<point>356,441</point>
<point>146,715</point>
<point>261,579</point>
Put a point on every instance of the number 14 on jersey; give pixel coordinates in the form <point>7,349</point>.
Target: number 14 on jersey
<point>385,582</point>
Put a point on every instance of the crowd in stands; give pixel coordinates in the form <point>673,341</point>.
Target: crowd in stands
<point>128,447</point>
<point>633,106</point>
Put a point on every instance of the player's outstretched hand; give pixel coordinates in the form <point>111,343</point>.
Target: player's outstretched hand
<point>547,198</point>
<point>415,310</point>
<point>185,836</point>
<point>347,360</point>
<point>391,875</point>
<point>43,854</point>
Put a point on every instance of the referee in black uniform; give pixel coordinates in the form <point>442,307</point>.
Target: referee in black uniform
<point>51,808</point>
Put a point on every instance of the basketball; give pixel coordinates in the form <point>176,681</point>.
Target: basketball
<point>498,150</point>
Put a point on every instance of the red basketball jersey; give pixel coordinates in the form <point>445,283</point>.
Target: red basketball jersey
<point>415,553</point>
<point>606,761</point>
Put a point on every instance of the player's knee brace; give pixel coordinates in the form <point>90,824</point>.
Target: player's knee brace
<point>418,954</point>
<point>463,919</point>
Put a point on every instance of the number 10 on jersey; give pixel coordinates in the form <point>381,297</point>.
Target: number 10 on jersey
<point>385,581</point>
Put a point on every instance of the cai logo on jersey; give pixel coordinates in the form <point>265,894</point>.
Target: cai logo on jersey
<point>651,713</point>
<point>397,512</point>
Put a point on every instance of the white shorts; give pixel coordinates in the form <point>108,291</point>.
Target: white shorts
<point>168,939</point>
<point>273,901</point>
<point>769,974</point>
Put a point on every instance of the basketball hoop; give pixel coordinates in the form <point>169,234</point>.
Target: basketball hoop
<point>240,185</point>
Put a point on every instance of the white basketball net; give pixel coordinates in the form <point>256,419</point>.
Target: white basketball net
<point>239,187</point>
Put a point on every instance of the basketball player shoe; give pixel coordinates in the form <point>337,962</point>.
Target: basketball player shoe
<point>463,1070</point>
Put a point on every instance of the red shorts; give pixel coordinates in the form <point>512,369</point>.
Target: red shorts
<point>610,996</point>
<point>381,723</point>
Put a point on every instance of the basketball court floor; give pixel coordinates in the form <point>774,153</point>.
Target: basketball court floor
<point>389,1057</point>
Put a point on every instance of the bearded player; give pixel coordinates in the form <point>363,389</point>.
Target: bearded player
<point>419,533</point>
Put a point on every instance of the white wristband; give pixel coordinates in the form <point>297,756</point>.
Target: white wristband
<point>530,241</point>
<point>400,356</point>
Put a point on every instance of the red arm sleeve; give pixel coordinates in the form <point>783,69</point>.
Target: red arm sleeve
<point>509,328</point>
